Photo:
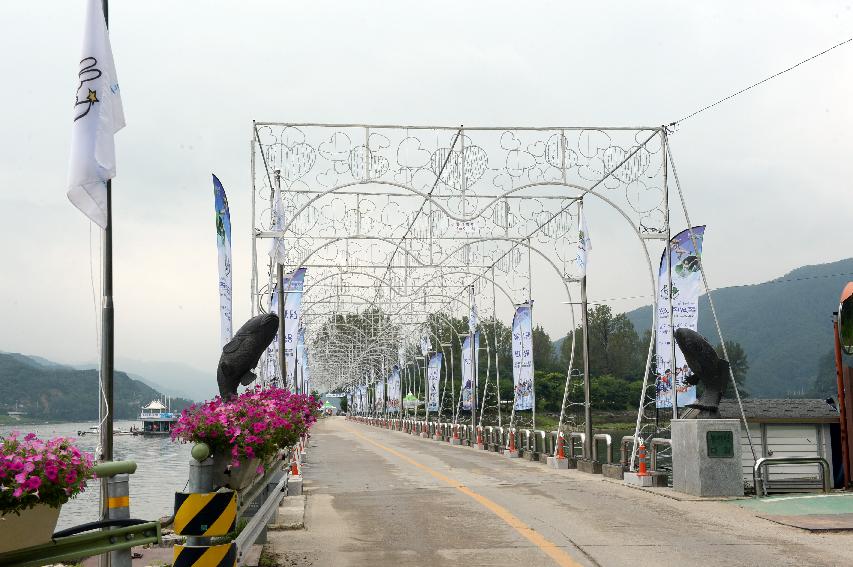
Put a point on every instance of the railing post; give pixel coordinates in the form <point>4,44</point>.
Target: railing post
<point>118,503</point>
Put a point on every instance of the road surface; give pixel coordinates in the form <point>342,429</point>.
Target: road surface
<point>385,498</point>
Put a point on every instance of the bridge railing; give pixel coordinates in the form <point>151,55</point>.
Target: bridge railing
<point>761,482</point>
<point>608,440</point>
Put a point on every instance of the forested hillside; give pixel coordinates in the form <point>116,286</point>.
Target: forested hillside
<point>49,391</point>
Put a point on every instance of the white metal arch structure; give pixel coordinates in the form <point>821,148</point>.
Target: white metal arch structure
<point>386,212</point>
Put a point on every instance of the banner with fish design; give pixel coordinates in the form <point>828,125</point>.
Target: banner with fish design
<point>469,365</point>
<point>433,375</point>
<point>522,357</point>
<point>223,246</point>
<point>685,260</point>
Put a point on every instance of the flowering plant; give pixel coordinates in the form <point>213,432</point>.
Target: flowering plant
<point>33,472</point>
<point>255,424</point>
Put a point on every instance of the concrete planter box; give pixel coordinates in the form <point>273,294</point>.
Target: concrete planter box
<point>616,471</point>
<point>591,467</point>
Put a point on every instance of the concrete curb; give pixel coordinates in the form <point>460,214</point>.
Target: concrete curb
<point>291,514</point>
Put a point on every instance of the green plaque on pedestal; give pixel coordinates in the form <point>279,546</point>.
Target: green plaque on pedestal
<point>721,444</point>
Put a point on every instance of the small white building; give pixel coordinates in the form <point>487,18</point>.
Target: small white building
<point>785,428</point>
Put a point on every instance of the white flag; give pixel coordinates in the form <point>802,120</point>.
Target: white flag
<point>473,320</point>
<point>278,252</point>
<point>98,115</point>
<point>584,242</point>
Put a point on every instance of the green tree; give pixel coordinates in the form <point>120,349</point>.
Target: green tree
<point>739,365</point>
<point>543,350</point>
<point>825,383</point>
<point>614,346</point>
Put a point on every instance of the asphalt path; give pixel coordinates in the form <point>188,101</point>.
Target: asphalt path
<point>378,497</point>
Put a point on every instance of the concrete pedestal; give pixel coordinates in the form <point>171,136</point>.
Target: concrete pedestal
<point>512,454</point>
<point>455,441</point>
<point>481,447</point>
<point>494,447</point>
<point>294,485</point>
<point>591,467</point>
<point>706,457</point>
<point>425,435</point>
<point>436,437</point>
<point>637,480</point>
<point>556,463</point>
<point>616,471</point>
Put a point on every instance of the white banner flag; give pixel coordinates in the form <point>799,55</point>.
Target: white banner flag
<point>379,396</point>
<point>433,375</point>
<point>584,241</point>
<point>686,285</point>
<point>425,345</point>
<point>223,246</point>
<point>98,115</point>
<point>522,357</point>
<point>395,394</point>
<point>469,370</point>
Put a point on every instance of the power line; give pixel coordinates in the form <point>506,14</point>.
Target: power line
<point>760,82</point>
<point>777,281</point>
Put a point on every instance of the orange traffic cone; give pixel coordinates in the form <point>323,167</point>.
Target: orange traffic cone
<point>641,455</point>
<point>294,467</point>
<point>561,453</point>
<point>511,440</point>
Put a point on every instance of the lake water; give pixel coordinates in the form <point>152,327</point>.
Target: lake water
<point>162,470</point>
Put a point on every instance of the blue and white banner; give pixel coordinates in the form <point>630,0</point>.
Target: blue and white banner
<point>686,284</point>
<point>469,370</point>
<point>300,359</point>
<point>473,320</point>
<point>293,286</point>
<point>433,375</point>
<point>522,357</point>
<point>395,395</point>
<point>584,242</point>
<point>379,396</point>
<point>223,245</point>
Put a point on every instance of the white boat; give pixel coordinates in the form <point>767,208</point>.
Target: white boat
<point>156,419</point>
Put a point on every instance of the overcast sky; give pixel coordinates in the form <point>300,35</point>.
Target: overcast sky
<point>769,172</point>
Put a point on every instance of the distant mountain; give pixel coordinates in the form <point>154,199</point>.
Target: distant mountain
<point>784,325</point>
<point>171,378</point>
<point>50,391</point>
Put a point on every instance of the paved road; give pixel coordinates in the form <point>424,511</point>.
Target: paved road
<point>378,497</point>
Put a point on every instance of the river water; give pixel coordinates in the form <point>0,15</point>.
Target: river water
<point>162,469</point>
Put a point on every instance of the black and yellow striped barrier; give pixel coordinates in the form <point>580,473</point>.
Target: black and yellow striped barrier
<point>224,555</point>
<point>205,514</point>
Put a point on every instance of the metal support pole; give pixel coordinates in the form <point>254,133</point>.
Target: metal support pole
<point>842,402</point>
<point>105,403</point>
<point>282,360</point>
<point>587,407</point>
<point>200,481</point>
<point>118,489</point>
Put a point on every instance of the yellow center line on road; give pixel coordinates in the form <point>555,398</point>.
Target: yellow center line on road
<point>550,549</point>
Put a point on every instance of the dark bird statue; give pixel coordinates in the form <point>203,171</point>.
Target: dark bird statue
<point>243,352</point>
<point>708,369</point>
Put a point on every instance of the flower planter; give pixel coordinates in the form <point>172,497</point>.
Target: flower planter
<point>235,478</point>
<point>33,527</point>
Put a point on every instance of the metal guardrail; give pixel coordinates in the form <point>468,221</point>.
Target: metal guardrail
<point>576,435</point>
<point>624,457</point>
<point>608,441</point>
<point>654,443</point>
<point>761,490</point>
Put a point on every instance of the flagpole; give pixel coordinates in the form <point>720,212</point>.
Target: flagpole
<point>105,402</point>
<point>587,408</point>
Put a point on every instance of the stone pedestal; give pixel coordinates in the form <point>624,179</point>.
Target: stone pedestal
<point>294,485</point>
<point>425,435</point>
<point>589,466</point>
<point>706,459</point>
<point>556,463</point>
<point>637,480</point>
<point>531,455</point>
<point>616,471</point>
<point>481,447</point>
<point>436,437</point>
<point>512,454</point>
<point>455,441</point>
